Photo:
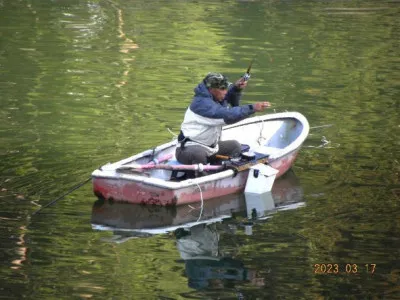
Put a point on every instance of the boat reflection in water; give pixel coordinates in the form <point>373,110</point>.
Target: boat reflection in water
<point>197,228</point>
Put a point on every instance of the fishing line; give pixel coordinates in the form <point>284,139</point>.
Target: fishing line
<point>322,126</point>
<point>174,135</point>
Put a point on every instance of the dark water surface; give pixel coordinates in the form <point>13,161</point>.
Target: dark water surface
<point>83,83</point>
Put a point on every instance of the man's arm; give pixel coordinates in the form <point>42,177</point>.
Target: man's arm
<point>235,92</point>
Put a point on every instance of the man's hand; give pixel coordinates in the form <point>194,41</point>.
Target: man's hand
<point>260,106</point>
<point>241,83</point>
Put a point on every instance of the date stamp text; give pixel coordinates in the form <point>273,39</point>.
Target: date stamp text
<point>332,268</point>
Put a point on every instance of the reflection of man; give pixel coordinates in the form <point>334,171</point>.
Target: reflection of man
<point>200,240</point>
<point>205,268</point>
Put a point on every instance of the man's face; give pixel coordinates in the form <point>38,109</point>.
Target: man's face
<point>218,94</point>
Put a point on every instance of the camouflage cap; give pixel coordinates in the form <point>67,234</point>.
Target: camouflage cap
<point>216,80</point>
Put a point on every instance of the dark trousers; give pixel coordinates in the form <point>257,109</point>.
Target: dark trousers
<point>198,155</point>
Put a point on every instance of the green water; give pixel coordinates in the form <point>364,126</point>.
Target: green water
<point>83,83</point>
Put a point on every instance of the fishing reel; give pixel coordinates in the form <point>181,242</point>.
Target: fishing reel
<point>246,76</point>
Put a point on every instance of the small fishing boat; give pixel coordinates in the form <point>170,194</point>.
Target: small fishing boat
<point>155,177</point>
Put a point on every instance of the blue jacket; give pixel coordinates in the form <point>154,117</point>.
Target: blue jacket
<point>205,116</point>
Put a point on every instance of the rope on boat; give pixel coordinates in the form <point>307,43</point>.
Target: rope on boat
<point>202,202</point>
<point>260,138</point>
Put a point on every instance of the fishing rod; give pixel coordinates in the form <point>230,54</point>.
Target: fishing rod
<point>62,196</point>
<point>153,162</point>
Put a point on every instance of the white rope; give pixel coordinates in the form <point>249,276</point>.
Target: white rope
<point>202,202</point>
<point>260,138</point>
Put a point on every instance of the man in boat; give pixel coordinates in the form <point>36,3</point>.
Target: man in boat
<point>215,104</point>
